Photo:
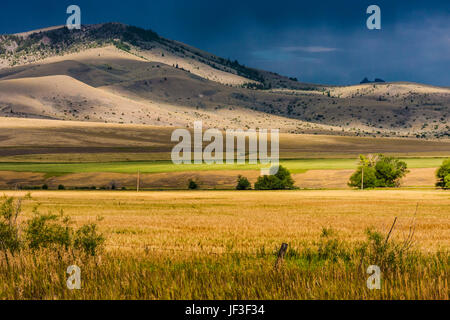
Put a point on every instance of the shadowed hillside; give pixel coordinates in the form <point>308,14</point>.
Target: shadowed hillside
<point>123,74</point>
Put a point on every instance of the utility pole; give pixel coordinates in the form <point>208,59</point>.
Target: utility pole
<point>362,177</point>
<point>138,181</point>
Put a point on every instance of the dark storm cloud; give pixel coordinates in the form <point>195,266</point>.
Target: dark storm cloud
<point>316,41</point>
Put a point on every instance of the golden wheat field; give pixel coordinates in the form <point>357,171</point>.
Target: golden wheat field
<point>218,221</point>
<point>223,245</point>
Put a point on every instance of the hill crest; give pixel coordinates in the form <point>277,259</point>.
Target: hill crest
<point>125,74</point>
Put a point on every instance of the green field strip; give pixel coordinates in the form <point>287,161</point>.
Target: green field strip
<point>295,166</point>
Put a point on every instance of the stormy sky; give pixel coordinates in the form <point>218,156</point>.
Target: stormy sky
<point>323,41</point>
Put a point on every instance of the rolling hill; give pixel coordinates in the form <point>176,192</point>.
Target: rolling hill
<point>116,73</point>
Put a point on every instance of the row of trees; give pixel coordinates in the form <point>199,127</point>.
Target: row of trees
<point>379,171</point>
<point>282,180</point>
<point>374,171</point>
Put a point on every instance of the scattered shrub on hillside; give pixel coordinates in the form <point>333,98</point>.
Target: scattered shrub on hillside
<point>243,183</point>
<point>378,171</point>
<point>61,187</point>
<point>192,185</point>
<point>443,175</point>
<point>253,85</point>
<point>44,187</point>
<point>282,180</point>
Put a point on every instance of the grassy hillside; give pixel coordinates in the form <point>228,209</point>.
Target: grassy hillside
<point>140,77</point>
<point>35,46</point>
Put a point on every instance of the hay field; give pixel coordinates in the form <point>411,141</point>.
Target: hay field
<point>246,221</point>
<point>221,245</point>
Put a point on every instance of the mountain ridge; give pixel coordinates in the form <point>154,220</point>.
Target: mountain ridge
<point>170,83</point>
<point>53,41</point>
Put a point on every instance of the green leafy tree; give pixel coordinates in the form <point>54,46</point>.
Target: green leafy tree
<point>280,181</point>
<point>447,182</point>
<point>268,183</point>
<point>389,171</point>
<point>378,171</point>
<point>368,178</point>
<point>443,175</point>
<point>243,183</point>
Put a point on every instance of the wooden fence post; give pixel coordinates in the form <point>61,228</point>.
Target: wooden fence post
<point>281,254</point>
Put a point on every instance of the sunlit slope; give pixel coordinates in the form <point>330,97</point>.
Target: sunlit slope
<point>146,79</point>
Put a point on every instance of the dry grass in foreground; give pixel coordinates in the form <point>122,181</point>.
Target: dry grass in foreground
<point>222,245</point>
<point>152,275</point>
